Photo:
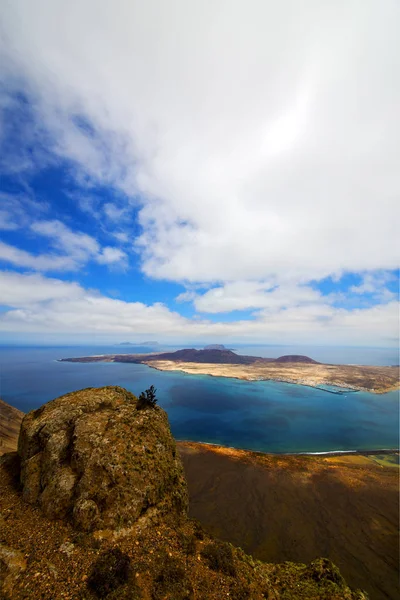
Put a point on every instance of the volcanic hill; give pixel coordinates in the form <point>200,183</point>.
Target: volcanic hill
<point>94,505</point>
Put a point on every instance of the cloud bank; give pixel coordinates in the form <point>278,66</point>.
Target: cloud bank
<point>36,304</point>
<point>258,143</point>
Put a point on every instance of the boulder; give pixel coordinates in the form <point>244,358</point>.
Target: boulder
<point>92,457</point>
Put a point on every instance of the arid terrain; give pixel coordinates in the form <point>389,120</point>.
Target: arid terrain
<point>372,379</point>
<point>94,505</point>
<point>275,507</point>
<point>281,508</point>
<point>291,369</point>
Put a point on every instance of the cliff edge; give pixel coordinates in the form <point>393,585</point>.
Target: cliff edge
<point>10,423</point>
<point>94,505</point>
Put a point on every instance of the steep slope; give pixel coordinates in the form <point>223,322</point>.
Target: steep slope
<point>282,507</point>
<point>10,423</point>
<point>100,512</point>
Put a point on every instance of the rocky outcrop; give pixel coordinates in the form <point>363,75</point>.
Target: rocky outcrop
<point>92,457</point>
<point>101,513</point>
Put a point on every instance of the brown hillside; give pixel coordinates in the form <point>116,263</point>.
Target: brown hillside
<point>94,506</point>
<point>280,508</point>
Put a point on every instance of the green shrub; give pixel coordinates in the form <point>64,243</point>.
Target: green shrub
<point>147,399</point>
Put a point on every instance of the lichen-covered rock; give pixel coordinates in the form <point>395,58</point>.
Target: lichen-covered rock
<point>91,456</point>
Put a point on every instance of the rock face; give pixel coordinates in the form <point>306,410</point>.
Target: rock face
<point>94,458</point>
<point>10,422</point>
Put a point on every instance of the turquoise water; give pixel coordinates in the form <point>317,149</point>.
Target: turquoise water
<point>264,416</point>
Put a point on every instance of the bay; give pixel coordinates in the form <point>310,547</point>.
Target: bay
<point>262,416</point>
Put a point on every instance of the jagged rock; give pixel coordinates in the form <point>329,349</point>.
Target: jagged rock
<point>91,456</point>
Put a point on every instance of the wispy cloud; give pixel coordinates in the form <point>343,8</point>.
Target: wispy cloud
<point>375,284</point>
<point>17,211</point>
<point>40,262</point>
<point>70,250</point>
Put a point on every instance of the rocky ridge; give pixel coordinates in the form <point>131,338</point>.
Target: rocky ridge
<point>94,505</point>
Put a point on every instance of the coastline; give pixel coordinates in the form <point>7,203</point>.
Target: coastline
<point>326,453</point>
<point>338,379</point>
<point>342,388</point>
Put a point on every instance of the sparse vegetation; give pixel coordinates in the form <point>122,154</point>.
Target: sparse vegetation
<point>198,529</point>
<point>219,556</point>
<point>110,571</point>
<point>239,591</point>
<point>147,399</point>
<point>188,543</point>
<point>171,582</point>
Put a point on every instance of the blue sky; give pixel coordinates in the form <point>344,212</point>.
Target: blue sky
<point>155,184</point>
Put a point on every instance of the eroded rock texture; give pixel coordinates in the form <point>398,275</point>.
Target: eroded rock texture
<point>92,457</point>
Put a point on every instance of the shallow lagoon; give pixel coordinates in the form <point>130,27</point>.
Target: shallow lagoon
<point>264,416</point>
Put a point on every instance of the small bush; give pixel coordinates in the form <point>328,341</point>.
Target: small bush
<point>147,399</point>
<point>111,570</point>
<point>220,557</point>
<point>171,582</point>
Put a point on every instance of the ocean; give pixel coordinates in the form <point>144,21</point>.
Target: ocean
<point>262,416</point>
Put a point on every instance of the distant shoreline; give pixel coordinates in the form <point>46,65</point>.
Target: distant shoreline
<point>376,380</point>
<point>339,391</point>
<point>292,369</point>
<point>363,452</point>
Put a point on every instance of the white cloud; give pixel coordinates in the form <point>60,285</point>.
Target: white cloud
<point>6,221</point>
<point>110,255</point>
<point>114,212</point>
<point>242,295</point>
<point>375,284</point>
<point>76,243</point>
<point>19,290</point>
<point>263,137</point>
<point>39,262</point>
<point>18,210</point>
<point>70,250</point>
<point>49,306</point>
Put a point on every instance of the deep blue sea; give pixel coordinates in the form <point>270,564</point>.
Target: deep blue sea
<point>264,416</point>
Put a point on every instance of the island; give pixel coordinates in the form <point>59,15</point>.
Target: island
<point>216,347</point>
<point>296,369</point>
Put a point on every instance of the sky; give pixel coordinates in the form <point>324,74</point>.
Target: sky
<point>215,171</point>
